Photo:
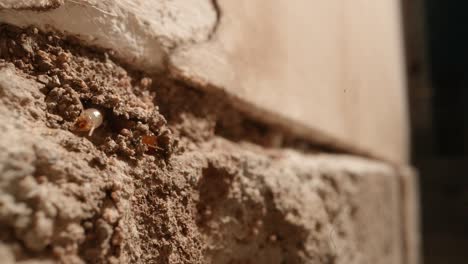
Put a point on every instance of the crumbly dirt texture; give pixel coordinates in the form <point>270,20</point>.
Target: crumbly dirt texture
<point>173,175</point>
<point>37,5</point>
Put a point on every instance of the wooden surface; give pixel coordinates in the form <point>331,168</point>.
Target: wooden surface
<point>330,70</point>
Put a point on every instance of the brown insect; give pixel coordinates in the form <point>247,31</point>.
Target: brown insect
<point>89,120</point>
<point>151,141</point>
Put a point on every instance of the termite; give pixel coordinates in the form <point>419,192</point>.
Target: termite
<point>151,141</point>
<point>89,120</point>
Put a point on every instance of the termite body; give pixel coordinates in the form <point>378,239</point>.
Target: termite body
<point>89,120</point>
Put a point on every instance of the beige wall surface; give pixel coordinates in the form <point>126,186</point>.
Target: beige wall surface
<point>334,66</point>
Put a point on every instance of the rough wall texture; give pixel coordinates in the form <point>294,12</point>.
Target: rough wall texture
<point>213,187</point>
<point>315,68</point>
<point>139,32</point>
<point>30,4</point>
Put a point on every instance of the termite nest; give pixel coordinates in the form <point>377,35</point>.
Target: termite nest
<point>133,139</point>
<point>88,93</point>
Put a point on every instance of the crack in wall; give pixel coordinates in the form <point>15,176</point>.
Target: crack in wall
<point>219,14</point>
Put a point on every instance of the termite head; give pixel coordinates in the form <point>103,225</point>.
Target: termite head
<point>89,120</point>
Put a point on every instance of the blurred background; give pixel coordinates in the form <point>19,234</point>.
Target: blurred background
<point>436,33</point>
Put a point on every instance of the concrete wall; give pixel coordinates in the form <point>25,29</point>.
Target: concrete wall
<point>332,72</point>
<point>225,138</point>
